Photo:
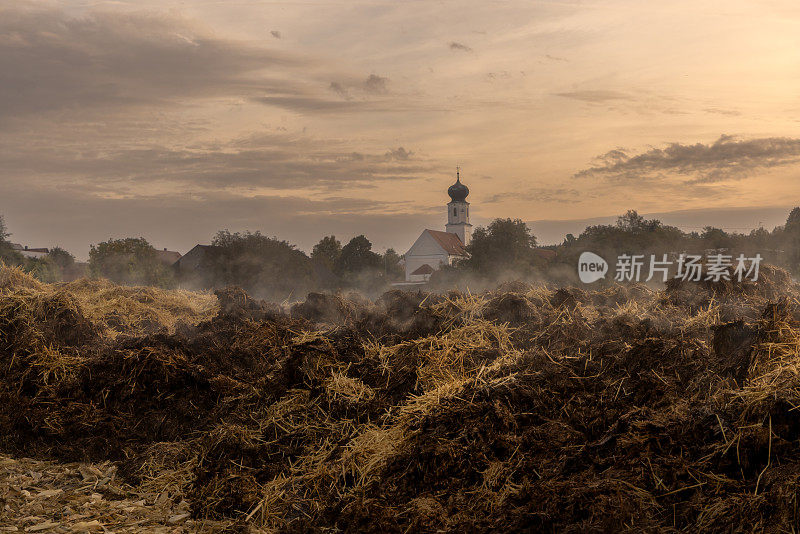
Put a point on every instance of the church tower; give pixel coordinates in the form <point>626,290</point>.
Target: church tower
<point>458,211</point>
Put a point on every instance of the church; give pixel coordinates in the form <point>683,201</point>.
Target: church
<point>433,248</point>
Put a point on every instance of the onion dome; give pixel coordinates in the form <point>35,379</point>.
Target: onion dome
<point>458,191</point>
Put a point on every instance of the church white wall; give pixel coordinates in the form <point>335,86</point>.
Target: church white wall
<point>424,250</point>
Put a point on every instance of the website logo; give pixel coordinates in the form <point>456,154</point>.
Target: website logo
<point>591,267</point>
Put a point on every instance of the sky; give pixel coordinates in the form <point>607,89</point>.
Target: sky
<point>173,120</point>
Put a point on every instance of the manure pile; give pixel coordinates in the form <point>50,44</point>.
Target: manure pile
<point>527,408</point>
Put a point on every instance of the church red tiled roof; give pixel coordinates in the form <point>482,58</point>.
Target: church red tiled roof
<point>424,269</point>
<point>449,242</point>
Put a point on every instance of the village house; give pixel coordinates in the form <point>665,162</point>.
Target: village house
<point>31,253</point>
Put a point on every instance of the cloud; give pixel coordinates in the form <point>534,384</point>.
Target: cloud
<point>459,46</point>
<point>277,160</point>
<point>376,84</point>
<point>337,88</point>
<point>320,105</point>
<point>400,154</point>
<point>728,158</point>
<point>373,85</point>
<point>718,111</point>
<point>539,194</point>
<point>52,61</point>
<point>594,96</point>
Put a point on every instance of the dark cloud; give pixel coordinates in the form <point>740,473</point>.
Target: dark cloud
<point>595,96</point>
<point>376,84</point>
<point>400,154</point>
<point>337,88</point>
<point>51,61</point>
<point>459,46</point>
<point>319,104</point>
<point>727,158</point>
<point>373,85</point>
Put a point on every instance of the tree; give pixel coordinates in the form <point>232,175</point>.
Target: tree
<point>631,234</point>
<point>265,267</point>
<point>64,262</point>
<point>43,269</point>
<point>631,221</point>
<point>791,238</point>
<point>327,251</point>
<point>504,244</point>
<point>392,265</point>
<point>63,259</point>
<point>357,257</point>
<point>7,254</point>
<point>131,261</point>
<point>793,220</point>
<point>715,238</point>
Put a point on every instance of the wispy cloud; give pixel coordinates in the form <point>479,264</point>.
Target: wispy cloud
<point>595,96</point>
<point>725,159</point>
<point>559,195</point>
<point>460,46</point>
<point>273,161</point>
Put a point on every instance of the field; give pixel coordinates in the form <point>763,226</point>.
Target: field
<point>527,408</point>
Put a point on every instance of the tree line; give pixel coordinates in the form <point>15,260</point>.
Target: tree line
<point>505,249</point>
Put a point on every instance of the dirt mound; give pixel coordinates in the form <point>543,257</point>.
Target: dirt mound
<point>325,308</point>
<point>511,308</point>
<point>772,283</point>
<point>569,297</point>
<point>546,410</point>
<point>235,303</point>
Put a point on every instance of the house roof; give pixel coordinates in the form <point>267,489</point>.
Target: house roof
<point>449,242</point>
<point>424,269</point>
<point>168,256</point>
<point>196,254</point>
<point>20,248</point>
